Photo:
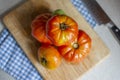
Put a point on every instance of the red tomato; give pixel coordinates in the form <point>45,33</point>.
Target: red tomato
<point>39,28</point>
<point>61,30</point>
<point>78,49</point>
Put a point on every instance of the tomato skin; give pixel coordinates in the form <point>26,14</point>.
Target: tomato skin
<point>74,54</point>
<point>49,56</point>
<point>61,30</point>
<point>39,28</point>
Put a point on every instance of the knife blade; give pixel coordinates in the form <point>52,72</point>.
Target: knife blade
<point>101,17</point>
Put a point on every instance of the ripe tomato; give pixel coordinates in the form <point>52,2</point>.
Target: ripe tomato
<point>49,56</point>
<point>61,30</point>
<point>39,28</point>
<point>78,49</point>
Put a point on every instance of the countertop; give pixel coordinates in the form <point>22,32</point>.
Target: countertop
<point>109,69</point>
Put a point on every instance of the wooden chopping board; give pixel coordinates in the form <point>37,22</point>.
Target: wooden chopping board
<point>19,20</point>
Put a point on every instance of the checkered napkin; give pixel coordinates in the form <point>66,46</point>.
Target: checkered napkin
<point>14,61</point>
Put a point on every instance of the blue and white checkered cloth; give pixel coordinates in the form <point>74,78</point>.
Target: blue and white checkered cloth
<point>14,61</point>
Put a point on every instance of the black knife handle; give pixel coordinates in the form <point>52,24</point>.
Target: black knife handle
<point>116,31</point>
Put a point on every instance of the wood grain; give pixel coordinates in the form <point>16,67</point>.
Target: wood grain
<point>19,20</point>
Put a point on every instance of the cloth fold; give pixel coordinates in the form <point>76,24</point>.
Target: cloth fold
<point>14,61</point>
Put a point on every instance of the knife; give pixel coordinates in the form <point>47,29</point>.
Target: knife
<point>101,17</point>
<point>114,29</point>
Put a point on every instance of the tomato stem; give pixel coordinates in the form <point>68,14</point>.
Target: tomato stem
<point>43,61</point>
<point>63,26</point>
<point>76,45</point>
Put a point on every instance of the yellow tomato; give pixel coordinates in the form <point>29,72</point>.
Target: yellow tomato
<point>49,57</point>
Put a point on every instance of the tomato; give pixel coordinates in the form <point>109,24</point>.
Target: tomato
<point>78,49</point>
<point>39,28</point>
<point>61,30</point>
<point>49,56</point>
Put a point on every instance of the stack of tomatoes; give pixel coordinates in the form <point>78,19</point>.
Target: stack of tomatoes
<point>60,38</point>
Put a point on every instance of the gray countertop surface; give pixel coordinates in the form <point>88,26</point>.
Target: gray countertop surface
<point>108,69</point>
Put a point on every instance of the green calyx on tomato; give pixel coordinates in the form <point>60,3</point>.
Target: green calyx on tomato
<point>59,12</point>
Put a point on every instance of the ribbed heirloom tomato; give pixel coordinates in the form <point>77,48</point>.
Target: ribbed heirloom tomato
<point>39,28</point>
<point>78,49</point>
<point>61,30</point>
